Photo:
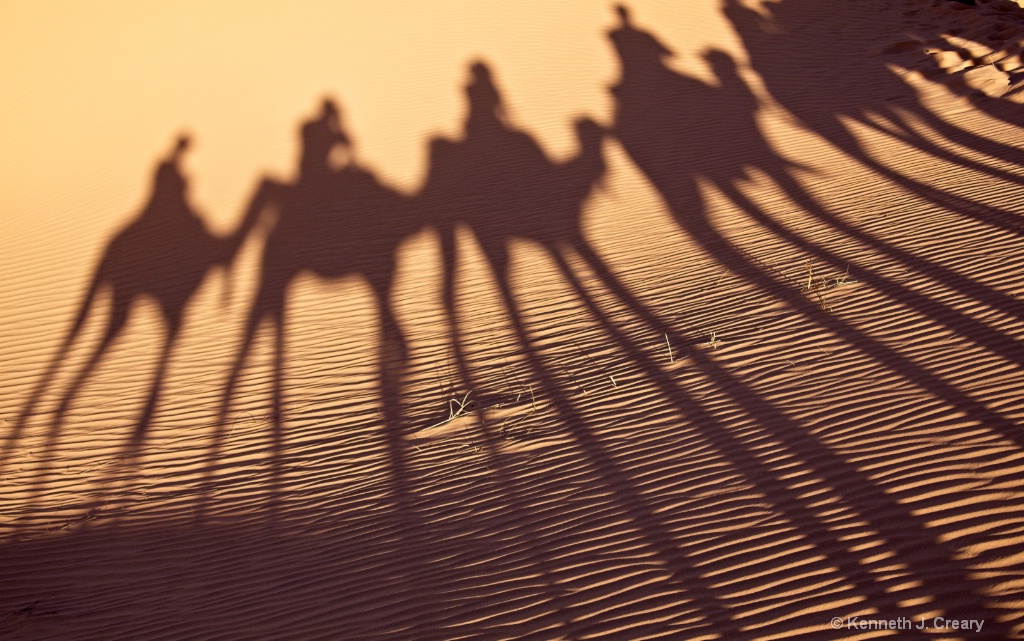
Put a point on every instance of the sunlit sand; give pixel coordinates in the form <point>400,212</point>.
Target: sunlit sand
<point>523,320</point>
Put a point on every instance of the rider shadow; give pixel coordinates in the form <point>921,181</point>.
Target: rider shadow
<point>680,131</point>
<point>163,255</point>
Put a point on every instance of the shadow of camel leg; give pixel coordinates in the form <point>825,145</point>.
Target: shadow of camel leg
<point>914,138</point>
<point>964,138</point>
<point>222,426</point>
<point>129,459</point>
<point>115,324</point>
<point>153,399</point>
<point>681,573</point>
<point>942,274</point>
<point>851,487</point>
<point>48,375</point>
<point>955,321</point>
<point>277,413</point>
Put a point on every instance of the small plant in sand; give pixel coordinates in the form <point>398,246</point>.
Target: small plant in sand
<point>713,341</point>
<point>456,408</point>
<point>459,408</point>
<point>810,283</point>
<point>820,284</point>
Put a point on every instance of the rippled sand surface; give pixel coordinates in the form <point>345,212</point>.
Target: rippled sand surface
<point>518,320</point>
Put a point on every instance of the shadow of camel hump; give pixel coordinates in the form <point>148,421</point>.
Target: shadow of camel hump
<point>164,254</point>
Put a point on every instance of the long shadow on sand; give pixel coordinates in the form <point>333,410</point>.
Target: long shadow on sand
<point>331,222</point>
<point>335,220</point>
<point>164,254</point>
<point>679,130</point>
<point>445,562</point>
<point>808,54</point>
<point>497,182</point>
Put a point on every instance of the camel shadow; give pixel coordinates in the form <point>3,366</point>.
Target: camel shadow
<point>680,132</point>
<point>330,222</point>
<point>808,56</point>
<point>163,255</point>
<point>497,183</point>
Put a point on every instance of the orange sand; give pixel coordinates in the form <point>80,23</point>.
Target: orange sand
<point>704,322</point>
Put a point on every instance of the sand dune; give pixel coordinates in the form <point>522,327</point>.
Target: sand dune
<point>531,322</point>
